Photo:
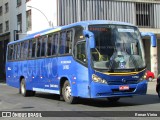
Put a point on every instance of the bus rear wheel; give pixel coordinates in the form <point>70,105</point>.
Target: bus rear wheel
<point>66,92</point>
<point>113,99</point>
<point>23,90</point>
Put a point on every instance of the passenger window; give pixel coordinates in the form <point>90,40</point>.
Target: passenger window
<point>33,47</point>
<point>18,51</point>
<point>43,46</point>
<point>49,46</point>
<point>81,52</point>
<point>69,42</point>
<point>22,50</point>
<point>25,48</point>
<point>62,43</point>
<point>10,52</point>
<point>38,49</point>
<point>30,49</point>
<point>15,49</point>
<point>54,44</point>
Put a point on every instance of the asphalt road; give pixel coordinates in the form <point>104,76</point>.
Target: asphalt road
<point>11,100</point>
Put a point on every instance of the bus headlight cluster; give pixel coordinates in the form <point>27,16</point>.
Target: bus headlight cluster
<point>142,78</point>
<point>95,78</point>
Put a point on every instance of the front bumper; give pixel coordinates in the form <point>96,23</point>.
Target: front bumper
<point>99,90</point>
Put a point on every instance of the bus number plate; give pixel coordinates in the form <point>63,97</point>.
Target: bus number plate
<point>124,87</point>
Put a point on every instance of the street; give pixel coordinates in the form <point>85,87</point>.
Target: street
<point>11,100</point>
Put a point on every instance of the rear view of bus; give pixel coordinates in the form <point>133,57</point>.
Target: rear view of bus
<point>117,61</point>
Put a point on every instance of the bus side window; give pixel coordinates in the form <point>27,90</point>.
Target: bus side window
<point>15,49</point>
<point>38,48</point>
<point>18,51</point>
<point>62,43</point>
<point>33,47</point>
<point>30,49</point>
<point>68,47</point>
<point>22,50</point>
<point>49,46</point>
<point>25,48</point>
<point>43,46</point>
<point>81,52</point>
<point>54,44</point>
<point>10,52</point>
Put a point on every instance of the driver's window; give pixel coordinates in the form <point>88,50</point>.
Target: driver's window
<point>81,51</point>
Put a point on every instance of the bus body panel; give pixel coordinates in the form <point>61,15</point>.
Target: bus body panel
<point>77,75</point>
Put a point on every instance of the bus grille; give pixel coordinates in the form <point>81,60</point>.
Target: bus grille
<point>117,90</point>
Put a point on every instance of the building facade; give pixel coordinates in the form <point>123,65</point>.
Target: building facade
<point>19,18</point>
<point>4,34</point>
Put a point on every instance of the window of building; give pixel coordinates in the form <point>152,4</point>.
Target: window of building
<point>19,22</point>
<point>29,20</point>
<point>1,28</point>
<point>19,3</point>
<point>144,14</point>
<point>1,10</point>
<point>7,26</point>
<point>6,7</point>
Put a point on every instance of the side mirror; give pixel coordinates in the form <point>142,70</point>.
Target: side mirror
<point>90,36</point>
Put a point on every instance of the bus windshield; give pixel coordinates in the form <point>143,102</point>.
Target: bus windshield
<point>117,47</point>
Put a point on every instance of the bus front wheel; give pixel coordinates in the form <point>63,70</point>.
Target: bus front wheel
<point>66,92</point>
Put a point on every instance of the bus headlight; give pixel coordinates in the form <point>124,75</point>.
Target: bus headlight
<point>142,78</point>
<point>95,78</point>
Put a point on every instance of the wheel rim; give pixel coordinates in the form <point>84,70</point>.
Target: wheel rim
<point>22,88</point>
<point>68,92</point>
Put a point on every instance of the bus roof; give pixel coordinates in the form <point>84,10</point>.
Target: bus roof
<point>82,23</point>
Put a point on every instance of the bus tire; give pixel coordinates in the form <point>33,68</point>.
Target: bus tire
<point>23,90</point>
<point>113,99</point>
<point>66,92</point>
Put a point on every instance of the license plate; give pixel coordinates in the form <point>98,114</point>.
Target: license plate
<point>124,87</point>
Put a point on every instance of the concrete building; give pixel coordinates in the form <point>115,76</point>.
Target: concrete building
<point>19,18</point>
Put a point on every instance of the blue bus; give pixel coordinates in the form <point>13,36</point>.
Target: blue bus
<point>87,59</point>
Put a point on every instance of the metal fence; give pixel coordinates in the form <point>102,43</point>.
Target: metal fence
<point>143,13</point>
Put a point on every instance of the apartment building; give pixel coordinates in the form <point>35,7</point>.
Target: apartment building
<point>4,33</point>
<point>19,18</point>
